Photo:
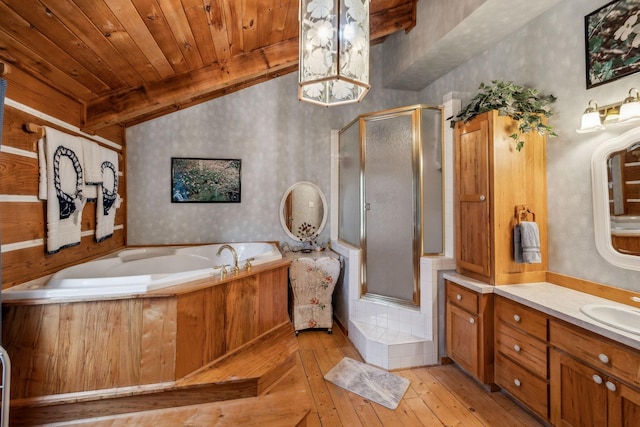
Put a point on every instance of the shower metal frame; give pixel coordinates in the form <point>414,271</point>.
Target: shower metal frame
<point>415,111</point>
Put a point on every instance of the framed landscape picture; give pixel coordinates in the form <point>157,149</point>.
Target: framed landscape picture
<point>612,40</point>
<point>195,180</point>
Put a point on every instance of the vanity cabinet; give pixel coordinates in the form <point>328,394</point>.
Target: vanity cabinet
<point>491,179</point>
<point>469,330</point>
<point>594,381</point>
<point>521,354</point>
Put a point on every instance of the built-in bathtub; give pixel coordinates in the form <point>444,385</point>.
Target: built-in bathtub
<point>139,270</point>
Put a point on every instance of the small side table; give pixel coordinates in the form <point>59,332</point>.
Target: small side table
<point>313,277</point>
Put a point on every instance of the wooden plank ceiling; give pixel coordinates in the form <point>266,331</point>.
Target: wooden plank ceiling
<point>128,61</point>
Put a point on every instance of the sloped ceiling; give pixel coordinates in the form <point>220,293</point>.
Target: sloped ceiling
<point>449,33</point>
<point>128,61</point>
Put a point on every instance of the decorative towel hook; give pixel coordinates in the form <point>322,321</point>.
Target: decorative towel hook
<point>34,128</point>
<point>4,68</point>
<point>523,212</point>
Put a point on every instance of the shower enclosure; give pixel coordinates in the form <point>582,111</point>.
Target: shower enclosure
<point>390,197</point>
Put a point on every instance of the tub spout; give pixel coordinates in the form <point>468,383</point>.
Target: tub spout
<point>235,267</point>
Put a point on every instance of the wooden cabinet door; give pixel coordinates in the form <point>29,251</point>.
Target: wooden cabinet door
<point>578,393</point>
<point>624,404</point>
<point>462,338</point>
<point>472,198</point>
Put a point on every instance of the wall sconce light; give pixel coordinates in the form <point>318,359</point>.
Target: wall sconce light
<point>618,114</point>
<point>334,51</point>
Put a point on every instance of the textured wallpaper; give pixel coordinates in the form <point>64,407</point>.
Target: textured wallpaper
<point>279,140</point>
<point>549,54</point>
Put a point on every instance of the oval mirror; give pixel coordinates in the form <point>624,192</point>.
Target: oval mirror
<point>615,173</point>
<point>303,211</point>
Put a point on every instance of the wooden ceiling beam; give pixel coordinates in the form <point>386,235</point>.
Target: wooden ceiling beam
<point>142,100</point>
<point>151,100</point>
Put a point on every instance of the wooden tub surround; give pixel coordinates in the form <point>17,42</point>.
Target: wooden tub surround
<point>203,341</point>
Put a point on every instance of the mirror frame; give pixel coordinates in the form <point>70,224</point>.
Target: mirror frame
<point>600,190</point>
<point>325,207</point>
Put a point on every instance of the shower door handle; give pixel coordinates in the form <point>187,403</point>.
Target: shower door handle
<point>367,206</point>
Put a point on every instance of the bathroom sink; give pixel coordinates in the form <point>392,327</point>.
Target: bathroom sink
<point>625,319</point>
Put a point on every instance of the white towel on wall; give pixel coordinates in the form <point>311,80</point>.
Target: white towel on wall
<point>530,241</point>
<point>108,198</point>
<point>93,158</point>
<point>63,162</point>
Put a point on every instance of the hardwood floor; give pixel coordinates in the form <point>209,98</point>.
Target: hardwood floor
<point>437,396</point>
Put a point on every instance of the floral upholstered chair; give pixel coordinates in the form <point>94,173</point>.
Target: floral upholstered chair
<point>312,283</point>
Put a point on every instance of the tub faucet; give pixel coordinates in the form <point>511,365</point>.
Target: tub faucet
<point>235,267</point>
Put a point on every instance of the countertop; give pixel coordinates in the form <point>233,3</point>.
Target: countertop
<point>557,301</point>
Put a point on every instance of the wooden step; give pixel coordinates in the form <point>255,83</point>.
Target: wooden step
<point>262,363</point>
<point>246,373</point>
<point>287,403</point>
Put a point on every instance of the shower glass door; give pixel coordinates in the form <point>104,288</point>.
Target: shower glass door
<point>390,214</point>
<point>390,197</point>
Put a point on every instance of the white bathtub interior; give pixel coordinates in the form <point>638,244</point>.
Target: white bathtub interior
<point>138,270</point>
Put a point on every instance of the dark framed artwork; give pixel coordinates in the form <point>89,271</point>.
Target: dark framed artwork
<point>195,180</point>
<point>612,40</point>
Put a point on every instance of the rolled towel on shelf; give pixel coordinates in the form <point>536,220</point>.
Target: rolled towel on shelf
<point>530,242</point>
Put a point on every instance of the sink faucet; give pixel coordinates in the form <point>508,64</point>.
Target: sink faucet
<point>235,267</point>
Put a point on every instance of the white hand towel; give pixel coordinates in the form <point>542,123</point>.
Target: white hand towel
<point>93,158</point>
<point>530,240</point>
<point>65,183</point>
<point>108,197</point>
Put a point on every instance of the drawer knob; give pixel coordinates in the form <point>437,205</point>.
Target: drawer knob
<point>611,386</point>
<point>459,297</point>
<point>516,318</point>
<point>597,379</point>
<point>472,320</point>
<point>516,348</point>
<point>517,382</point>
<point>482,198</point>
<point>603,358</point>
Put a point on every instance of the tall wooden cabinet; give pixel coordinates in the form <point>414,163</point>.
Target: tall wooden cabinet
<point>491,179</point>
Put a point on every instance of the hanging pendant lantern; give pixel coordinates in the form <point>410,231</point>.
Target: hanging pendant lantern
<point>334,51</point>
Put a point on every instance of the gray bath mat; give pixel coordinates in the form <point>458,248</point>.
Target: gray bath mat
<point>369,382</point>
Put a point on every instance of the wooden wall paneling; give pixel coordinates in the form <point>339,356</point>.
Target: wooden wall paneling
<point>19,175</point>
<point>199,338</point>
<point>159,329</point>
<point>27,90</point>
<point>241,312</point>
<point>130,332</point>
<point>26,221</point>
<point>21,221</point>
<point>23,265</point>
<point>272,300</point>
<point>103,328</point>
<point>30,334</point>
<point>89,345</point>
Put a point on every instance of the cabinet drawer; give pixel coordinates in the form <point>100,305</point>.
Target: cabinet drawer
<point>597,351</point>
<point>462,297</point>
<point>523,385</point>
<point>524,318</point>
<point>522,348</point>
